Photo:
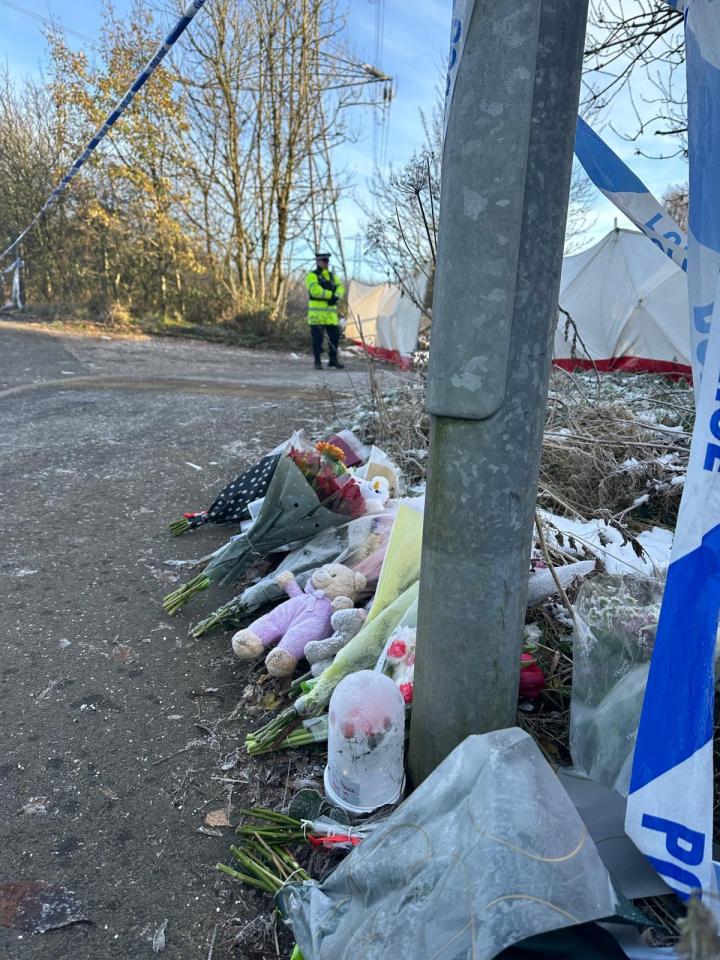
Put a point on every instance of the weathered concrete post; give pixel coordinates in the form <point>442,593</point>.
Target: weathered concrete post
<point>505,182</point>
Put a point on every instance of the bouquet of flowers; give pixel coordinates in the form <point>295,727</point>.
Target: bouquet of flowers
<point>311,490</point>
<point>232,503</point>
<point>324,469</point>
<point>400,659</point>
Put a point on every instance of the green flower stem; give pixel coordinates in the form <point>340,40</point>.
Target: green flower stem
<point>296,686</point>
<point>241,876</point>
<point>272,837</point>
<point>178,598</point>
<point>206,625</point>
<point>298,738</point>
<point>179,526</point>
<point>262,813</point>
<point>260,872</point>
<point>273,731</point>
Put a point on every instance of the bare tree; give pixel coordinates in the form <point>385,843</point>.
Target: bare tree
<point>267,85</point>
<point>224,161</point>
<point>642,40</point>
<point>401,230</point>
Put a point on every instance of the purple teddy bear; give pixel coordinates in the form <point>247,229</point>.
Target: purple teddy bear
<point>302,618</point>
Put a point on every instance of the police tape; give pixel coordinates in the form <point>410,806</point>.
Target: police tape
<point>15,294</point>
<point>113,117</point>
<point>670,805</point>
<point>628,193</point>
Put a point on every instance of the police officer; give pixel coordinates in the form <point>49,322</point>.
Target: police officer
<point>324,292</point>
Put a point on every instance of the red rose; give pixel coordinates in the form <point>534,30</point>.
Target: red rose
<point>397,650</point>
<point>406,689</point>
<point>532,679</point>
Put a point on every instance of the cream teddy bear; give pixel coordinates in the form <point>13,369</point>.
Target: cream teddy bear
<point>376,493</point>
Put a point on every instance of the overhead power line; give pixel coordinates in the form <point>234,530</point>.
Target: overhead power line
<point>54,24</point>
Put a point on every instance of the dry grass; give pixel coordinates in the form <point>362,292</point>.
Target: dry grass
<point>398,423</point>
<point>601,459</point>
<point>613,448</point>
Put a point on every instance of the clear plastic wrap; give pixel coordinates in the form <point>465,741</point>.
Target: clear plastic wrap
<point>612,645</point>
<point>487,851</point>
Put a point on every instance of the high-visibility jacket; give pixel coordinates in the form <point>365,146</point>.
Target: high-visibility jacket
<point>319,310</point>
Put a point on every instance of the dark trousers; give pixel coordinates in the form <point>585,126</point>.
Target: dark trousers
<point>333,335</point>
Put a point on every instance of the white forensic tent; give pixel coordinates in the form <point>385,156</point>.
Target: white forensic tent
<point>630,305</point>
<point>383,317</point>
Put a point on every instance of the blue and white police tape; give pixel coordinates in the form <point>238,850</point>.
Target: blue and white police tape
<point>629,194</point>
<point>670,805</point>
<point>120,108</point>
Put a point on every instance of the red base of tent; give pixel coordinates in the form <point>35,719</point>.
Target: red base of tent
<point>667,368</point>
<point>389,356</point>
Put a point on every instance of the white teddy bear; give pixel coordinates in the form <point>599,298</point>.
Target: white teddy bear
<point>376,493</point>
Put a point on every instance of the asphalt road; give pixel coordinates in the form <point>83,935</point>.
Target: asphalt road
<point>104,708</point>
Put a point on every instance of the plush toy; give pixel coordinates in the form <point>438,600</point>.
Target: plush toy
<point>346,624</point>
<point>376,494</point>
<point>304,617</point>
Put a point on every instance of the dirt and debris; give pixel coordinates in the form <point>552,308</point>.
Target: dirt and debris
<point>36,906</point>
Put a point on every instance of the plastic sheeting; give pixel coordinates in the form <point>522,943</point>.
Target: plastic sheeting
<point>611,657</point>
<point>489,848</point>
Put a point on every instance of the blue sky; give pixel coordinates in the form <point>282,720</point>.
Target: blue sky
<point>414,52</point>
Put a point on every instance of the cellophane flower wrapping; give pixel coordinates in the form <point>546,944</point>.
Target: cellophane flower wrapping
<point>612,647</point>
<point>396,593</point>
<point>487,851</point>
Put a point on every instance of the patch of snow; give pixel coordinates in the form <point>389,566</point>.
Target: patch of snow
<point>605,543</point>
